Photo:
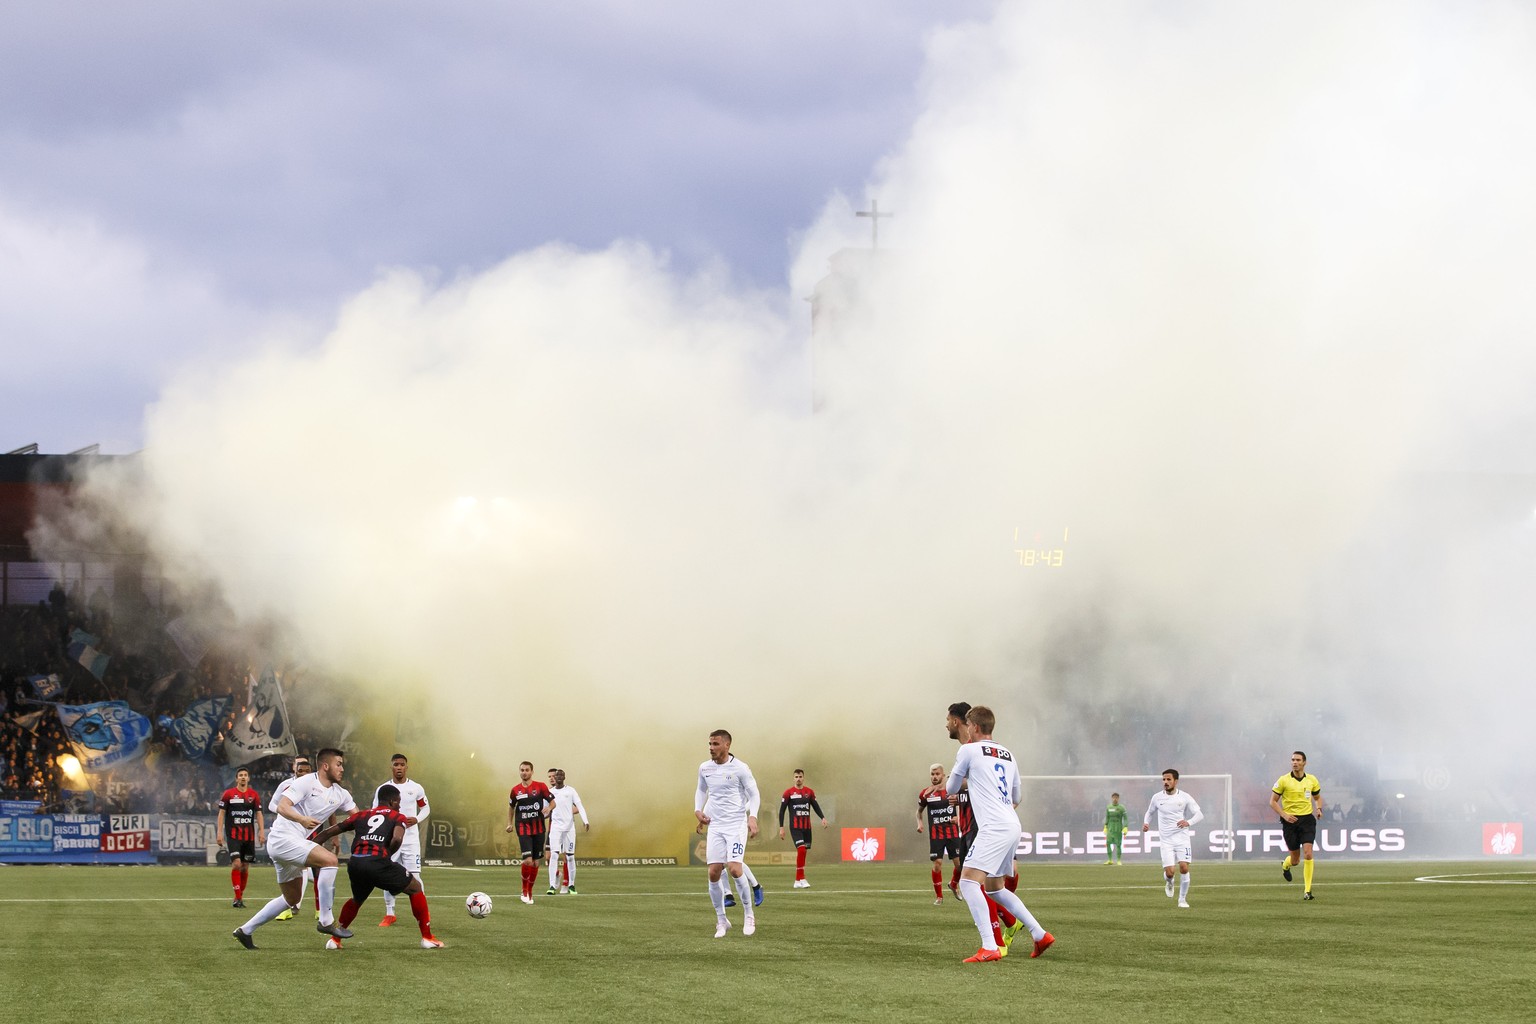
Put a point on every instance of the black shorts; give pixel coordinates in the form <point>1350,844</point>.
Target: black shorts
<point>245,849</point>
<point>966,841</point>
<point>533,846</point>
<point>938,849</point>
<point>369,873</point>
<point>1303,830</point>
<point>801,836</point>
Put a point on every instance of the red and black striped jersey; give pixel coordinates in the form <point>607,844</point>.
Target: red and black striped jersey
<point>799,801</point>
<point>240,807</point>
<point>966,819</point>
<point>527,802</point>
<point>374,830</point>
<point>942,815</point>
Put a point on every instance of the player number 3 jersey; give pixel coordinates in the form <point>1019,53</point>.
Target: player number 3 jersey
<point>993,779</point>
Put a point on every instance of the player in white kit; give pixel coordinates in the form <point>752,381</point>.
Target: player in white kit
<point>562,834</point>
<point>301,768</point>
<point>1176,813</point>
<point>306,805</point>
<point>727,802</point>
<point>413,804</point>
<point>988,772</point>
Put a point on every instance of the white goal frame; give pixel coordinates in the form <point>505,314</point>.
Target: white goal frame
<point>1156,781</point>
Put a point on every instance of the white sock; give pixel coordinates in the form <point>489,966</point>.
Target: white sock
<point>327,889</point>
<point>554,872</point>
<point>750,877</point>
<point>744,892</point>
<point>570,870</point>
<point>976,903</point>
<point>389,904</point>
<point>1010,902</point>
<point>717,897</point>
<point>266,913</point>
<point>1184,885</point>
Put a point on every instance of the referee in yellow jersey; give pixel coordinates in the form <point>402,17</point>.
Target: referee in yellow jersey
<point>1298,799</point>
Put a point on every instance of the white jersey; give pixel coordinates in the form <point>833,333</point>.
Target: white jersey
<point>413,804</point>
<point>282,788</point>
<point>311,799</point>
<point>567,805</point>
<point>727,791</point>
<point>1170,809</point>
<point>993,783</point>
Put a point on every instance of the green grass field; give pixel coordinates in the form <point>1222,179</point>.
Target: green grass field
<point>865,944</point>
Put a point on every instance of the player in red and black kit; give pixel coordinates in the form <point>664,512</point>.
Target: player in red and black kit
<point>241,829</point>
<point>943,828</point>
<point>800,800</point>
<point>528,809</point>
<point>377,833</point>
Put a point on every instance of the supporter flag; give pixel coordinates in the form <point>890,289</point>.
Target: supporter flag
<point>82,648</point>
<point>46,687</point>
<point>198,725</point>
<point>105,734</point>
<point>262,728</point>
<point>189,639</point>
<point>29,720</point>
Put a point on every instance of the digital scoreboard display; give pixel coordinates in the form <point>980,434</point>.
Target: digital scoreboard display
<point>1038,549</point>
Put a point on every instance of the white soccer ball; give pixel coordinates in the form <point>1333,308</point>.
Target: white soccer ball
<point>478,904</point>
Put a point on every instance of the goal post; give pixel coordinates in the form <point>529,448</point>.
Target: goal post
<point>1063,815</point>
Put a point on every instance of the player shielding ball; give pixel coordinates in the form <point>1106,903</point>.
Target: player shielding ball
<point>799,800</point>
<point>988,770</point>
<point>1298,799</point>
<point>943,828</point>
<point>241,828</point>
<point>306,804</point>
<point>1176,813</point>
<point>413,807</point>
<point>377,835</point>
<point>726,802</point>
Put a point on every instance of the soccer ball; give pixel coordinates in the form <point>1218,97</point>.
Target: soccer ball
<point>478,904</point>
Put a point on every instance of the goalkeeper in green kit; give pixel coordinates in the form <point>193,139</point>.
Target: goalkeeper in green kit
<point>1114,829</point>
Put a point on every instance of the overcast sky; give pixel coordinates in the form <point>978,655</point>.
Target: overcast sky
<point>177,179</point>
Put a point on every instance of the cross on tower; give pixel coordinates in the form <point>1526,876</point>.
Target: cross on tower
<point>874,215</point>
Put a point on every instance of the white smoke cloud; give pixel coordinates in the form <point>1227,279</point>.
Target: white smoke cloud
<point>1197,283</point>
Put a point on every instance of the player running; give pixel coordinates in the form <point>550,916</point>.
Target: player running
<point>527,808</point>
<point>301,809</point>
<point>241,829</point>
<point>1177,813</point>
<point>379,833</point>
<point>727,802</point>
<point>301,768</point>
<point>800,800</point>
<point>1298,799</point>
<point>413,806</point>
<point>988,770</point>
<point>1115,828</point>
<point>943,828</point>
<point>562,834</point>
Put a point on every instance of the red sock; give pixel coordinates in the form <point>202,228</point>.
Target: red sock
<point>997,912</point>
<point>565,872</point>
<point>530,871</point>
<point>800,864</point>
<point>348,913</point>
<point>234,880</point>
<point>938,882</point>
<point>954,877</point>
<point>1011,883</point>
<point>419,909</point>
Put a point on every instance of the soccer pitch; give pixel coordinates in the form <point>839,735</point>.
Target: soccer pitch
<point>865,943</point>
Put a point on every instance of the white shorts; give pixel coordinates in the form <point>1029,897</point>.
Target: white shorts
<point>563,840</point>
<point>993,851</point>
<point>726,844</point>
<point>1175,849</point>
<point>289,855</point>
<point>409,856</point>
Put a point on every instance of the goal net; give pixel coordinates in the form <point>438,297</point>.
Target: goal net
<point>1063,816</point>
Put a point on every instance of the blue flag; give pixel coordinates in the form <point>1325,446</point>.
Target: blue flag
<point>46,687</point>
<point>198,725</point>
<point>82,648</point>
<point>105,734</point>
<point>262,728</point>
